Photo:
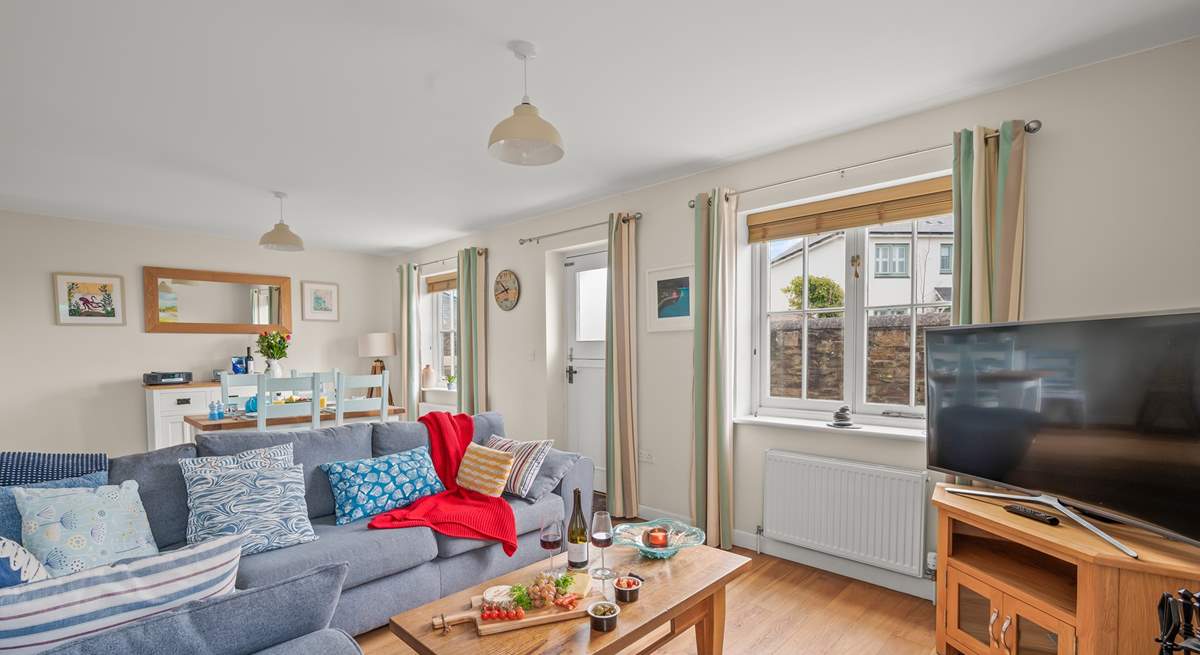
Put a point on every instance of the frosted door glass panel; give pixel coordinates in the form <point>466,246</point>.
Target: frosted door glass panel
<point>591,302</point>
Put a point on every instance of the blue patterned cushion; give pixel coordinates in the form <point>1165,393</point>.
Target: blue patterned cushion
<point>18,566</point>
<point>272,457</point>
<point>266,506</point>
<point>71,530</point>
<point>10,518</point>
<point>366,487</point>
<point>18,468</point>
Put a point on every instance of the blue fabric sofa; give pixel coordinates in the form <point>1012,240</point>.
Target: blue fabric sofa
<point>389,571</point>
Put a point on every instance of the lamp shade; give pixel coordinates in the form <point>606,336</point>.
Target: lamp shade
<point>281,237</point>
<point>525,138</point>
<point>377,344</point>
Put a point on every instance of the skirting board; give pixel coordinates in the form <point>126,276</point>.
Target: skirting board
<point>651,513</point>
<point>888,579</point>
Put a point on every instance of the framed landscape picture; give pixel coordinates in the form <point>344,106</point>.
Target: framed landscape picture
<point>89,299</point>
<point>669,298</point>
<point>319,301</point>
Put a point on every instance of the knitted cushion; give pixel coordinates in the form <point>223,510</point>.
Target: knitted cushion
<point>527,461</point>
<point>27,468</point>
<point>484,470</point>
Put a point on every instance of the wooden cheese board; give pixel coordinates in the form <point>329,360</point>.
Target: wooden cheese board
<point>549,614</point>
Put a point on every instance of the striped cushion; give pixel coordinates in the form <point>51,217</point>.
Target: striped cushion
<point>527,461</point>
<point>29,468</point>
<point>484,470</point>
<point>40,615</point>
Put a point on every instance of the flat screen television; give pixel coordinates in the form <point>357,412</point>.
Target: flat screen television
<point>1103,413</point>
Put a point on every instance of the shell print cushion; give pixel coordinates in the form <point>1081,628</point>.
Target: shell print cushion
<point>72,530</point>
<point>366,487</point>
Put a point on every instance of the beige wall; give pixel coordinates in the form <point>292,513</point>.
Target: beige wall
<point>1112,227</point>
<point>69,388</point>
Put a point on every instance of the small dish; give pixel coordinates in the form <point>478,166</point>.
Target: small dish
<point>604,622</point>
<point>679,535</point>
<point>629,593</point>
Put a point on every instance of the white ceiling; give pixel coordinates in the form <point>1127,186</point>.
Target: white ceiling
<point>374,115</point>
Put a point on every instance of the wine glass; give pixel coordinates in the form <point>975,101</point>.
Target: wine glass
<point>602,538</point>
<point>551,537</point>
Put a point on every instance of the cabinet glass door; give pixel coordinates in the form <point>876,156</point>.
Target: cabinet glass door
<point>973,613</point>
<point>1033,632</point>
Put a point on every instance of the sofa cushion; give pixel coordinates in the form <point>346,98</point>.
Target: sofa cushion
<point>19,468</point>
<point>18,565</point>
<point>236,624</point>
<point>527,514</point>
<point>271,457</point>
<point>372,554</point>
<point>72,530</point>
<point>366,487</point>
<point>310,449</point>
<point>395,436</point>
<point>160,484</point>
<point>41,615</point>
<point>10,518</point>
<point>556,465</point>
<point>266,506</point>
<point>329,641</point>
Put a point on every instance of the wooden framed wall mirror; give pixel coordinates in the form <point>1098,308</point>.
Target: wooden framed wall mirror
<point>215,302</point>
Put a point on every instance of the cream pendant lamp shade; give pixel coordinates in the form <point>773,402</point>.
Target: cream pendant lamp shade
<point>525,138</point>
<point>281,237</point>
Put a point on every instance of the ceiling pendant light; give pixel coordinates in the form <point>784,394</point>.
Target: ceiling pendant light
<point>525,138</point>
<point>281,237</point>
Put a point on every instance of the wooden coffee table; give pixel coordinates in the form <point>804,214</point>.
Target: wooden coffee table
<point>684,591</point>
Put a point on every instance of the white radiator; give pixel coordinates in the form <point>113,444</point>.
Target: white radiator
<point>863,512</point>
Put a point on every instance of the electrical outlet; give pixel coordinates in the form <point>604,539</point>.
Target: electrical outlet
<point>645,456</point>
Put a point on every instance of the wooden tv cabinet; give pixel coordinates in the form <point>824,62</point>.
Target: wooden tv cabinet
<point>1008,585</point>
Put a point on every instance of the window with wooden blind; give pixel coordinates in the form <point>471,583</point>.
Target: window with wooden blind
<point>440,338</point>
<point>845,289</point>
<point>441,282</point>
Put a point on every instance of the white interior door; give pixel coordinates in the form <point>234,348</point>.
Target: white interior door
<point>585,306</point>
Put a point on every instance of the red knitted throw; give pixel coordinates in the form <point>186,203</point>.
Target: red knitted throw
<point>455,512</point>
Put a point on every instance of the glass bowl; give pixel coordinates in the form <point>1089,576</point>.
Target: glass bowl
<point>680,535</point>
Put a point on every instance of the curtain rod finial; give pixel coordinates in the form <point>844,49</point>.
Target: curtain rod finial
<point>1033,126</point>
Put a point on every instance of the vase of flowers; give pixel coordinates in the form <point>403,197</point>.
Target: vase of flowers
<point>273,346</point>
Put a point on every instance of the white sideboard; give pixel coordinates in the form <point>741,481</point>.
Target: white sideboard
<point>166,405</point>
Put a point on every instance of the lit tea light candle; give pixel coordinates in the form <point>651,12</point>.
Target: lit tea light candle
<point>655,537</point>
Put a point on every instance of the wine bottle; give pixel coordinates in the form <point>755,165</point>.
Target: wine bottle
<point>577,537</point>
<point>249,361</point>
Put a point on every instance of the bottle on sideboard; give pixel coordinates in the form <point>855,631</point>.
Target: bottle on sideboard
<point>249,361</point>
<point>577,537</point>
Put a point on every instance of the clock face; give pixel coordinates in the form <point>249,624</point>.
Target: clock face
<point>507,289</point>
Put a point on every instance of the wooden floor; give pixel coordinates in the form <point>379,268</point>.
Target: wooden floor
<point>782,608</point>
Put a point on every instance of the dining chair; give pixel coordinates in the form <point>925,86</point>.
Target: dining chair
<point>236,380</point>
<point>345,404</point>
<point>268,386</point>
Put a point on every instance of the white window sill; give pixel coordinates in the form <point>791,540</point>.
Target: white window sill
<point>815,425</point>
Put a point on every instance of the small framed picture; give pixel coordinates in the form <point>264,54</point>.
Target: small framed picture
<point>320,301</point>
<point>89,299</point>
<point>669,298</point>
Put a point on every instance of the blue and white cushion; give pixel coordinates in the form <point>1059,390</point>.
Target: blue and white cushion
<point>41,615</point>
<point>18,566</point>
<point>72,530</point>
<point>271,457</point>
<point>10,517</point>
<point>265,506</point>
<point>365,487</point>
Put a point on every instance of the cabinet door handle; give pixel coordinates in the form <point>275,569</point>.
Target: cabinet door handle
<point>992,626</point>
<point>183,401</point>
<point>1004,633</point>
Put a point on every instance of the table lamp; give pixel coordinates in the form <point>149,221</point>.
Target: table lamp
<point>377,345</point>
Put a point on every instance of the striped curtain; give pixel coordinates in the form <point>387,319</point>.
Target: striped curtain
<point>472,330</point>
<point>712,362</point>
<point>410,339</point>
<point>989,224</point>
<point>620,363</point>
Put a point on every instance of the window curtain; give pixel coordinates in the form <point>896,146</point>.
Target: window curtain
<point>472,330</point>
<point>620,363</point>
<point>712,362</point>
<point>410,339</point>
<point>989,223</point>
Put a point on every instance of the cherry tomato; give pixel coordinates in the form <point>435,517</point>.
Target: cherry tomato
<point>520,612</point>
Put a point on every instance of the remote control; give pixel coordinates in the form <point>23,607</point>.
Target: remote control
<point>1029,513</point>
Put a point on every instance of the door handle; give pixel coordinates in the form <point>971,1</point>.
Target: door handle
<point>571,371</point>
<point>992,625</point>
<point>1004,633</point>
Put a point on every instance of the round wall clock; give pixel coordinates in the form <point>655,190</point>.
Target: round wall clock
<point>507,289</point>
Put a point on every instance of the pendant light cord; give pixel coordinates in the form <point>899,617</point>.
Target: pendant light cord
<point>525,69</point>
